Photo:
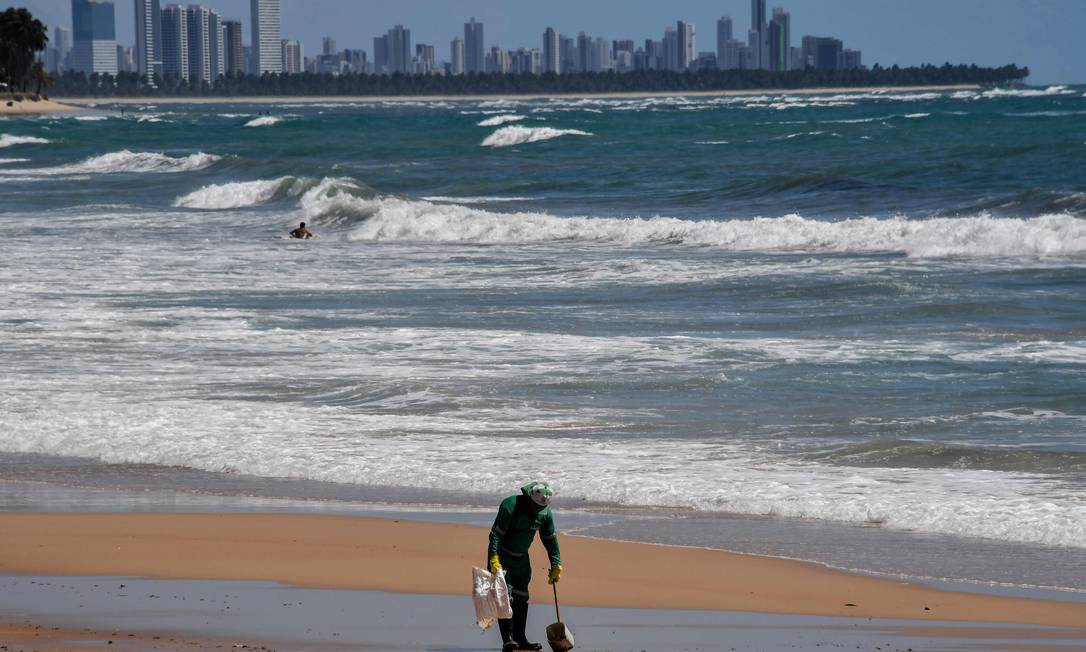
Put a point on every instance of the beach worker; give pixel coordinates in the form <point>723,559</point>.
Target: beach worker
<point>519,518</point>
<point>301,233</point>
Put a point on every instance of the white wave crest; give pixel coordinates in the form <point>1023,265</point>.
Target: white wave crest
<point>8,161</point>
<point>1028,92</point>
<point>241,194</point>
<point>394,219</point>
<point>7,140</point>
<point>517,135</point>
<point>500,120</point>
<point>263,121</point>
<point>126,161</point>
<point>123,161</point>
<point>91,118</point>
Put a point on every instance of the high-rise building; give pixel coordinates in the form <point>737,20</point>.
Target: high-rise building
<point>822,52</point>
<point>328,45</point>
<point>567,54</point>
<point>126,59</point>
<point>497,61</point>
<point>205,44</point>
<point>551,60</point>
<point>850,59</point>
<point>723,35</point>
<point>233,50</point>
<point>95,47</point>
<point>149,39</point>
<point>600,55</point>
<point>584,47</point>
<point>292,56</point>
<point>175,42</point>
<point>62,49</point>
<point>474,55</point>
<point>688,52</point>
<point>671,49</point>
<point>759,37</point>
<point>734,56</point>
<point>267,36</point>
<point>780,40</point>
<point>399,50</point>
<point>380,55</point>
<point>457,56</point>
<point>425,60</point>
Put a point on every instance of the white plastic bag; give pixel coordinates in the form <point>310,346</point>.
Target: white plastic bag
<point>491,596</point>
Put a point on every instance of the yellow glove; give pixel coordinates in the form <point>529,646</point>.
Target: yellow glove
<point>556,572</point>
<point>494,566</point>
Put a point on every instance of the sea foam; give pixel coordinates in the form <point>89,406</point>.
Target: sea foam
<point>7,140</point>
<point>517,135</point>
<point>127,161</point>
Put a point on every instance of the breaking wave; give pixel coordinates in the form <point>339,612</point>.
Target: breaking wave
<point>391,219</point>
<point>500,120</point>
<point>263,121</point>
<point>243,194</point>
<point>517,135</point>
<point>7,140</point>
<point>126,161</point>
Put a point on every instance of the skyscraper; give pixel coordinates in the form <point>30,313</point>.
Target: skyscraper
<point>380,55</point>
<point>551,62</point>
<point>759,41</point>
<point>202,65</point>
<point>671,49</point>
<point>567,54</point>
<point>328,45</point>
<point>584,48</point>
<point>95,46</point>
<point>291,55</point>
<point>62,43</point>
<point>175,41</point>
<point>233,50</point>
<point>474,55</point>
<point>267,36</point>
<point>149,39</point>
<point>780,40</point>
<point>457,56</point>
<point>688,52</point>
<point>723,35</point>
<point>399,49</point>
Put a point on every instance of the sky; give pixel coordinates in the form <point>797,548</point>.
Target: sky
<point>1045,35</point>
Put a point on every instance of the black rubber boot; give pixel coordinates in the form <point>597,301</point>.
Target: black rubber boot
<point>520,622</point>
<point>505,626</point>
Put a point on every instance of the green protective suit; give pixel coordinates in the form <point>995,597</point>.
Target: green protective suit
<point>518,519</point>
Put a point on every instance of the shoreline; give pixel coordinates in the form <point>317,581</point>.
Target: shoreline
<point>398,556</point>
<point>346,99</point>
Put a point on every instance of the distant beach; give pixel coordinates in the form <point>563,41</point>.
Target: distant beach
<point>281,99</point>
<point>9,106</point>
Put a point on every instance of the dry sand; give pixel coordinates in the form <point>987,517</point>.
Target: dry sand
<point>430,558</point>
<point>28,106</point>
<point>333,99</point>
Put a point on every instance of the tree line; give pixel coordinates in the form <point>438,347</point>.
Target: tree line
<point>126,84</point>
<point>21,37</point>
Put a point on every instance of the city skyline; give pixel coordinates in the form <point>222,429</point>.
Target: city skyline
<point>429,27</point>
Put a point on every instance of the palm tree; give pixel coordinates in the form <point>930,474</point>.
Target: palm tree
<point>21,36</point>
<point>41,78</point>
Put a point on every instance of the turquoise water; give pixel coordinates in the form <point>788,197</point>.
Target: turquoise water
<point>858,309</point>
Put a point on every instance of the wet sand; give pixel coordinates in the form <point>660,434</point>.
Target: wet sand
<point>431,558</point>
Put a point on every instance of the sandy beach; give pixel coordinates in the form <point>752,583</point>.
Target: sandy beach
<point>10,107</point>
<point>290,99</point>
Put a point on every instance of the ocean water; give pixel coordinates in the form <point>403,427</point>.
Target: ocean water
<point>861,310</point>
